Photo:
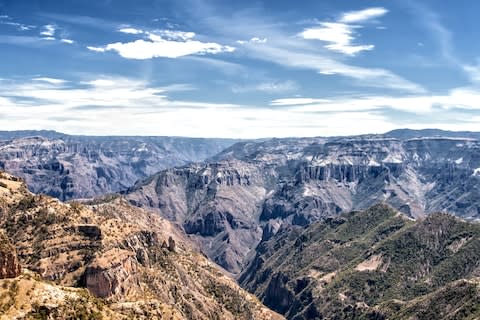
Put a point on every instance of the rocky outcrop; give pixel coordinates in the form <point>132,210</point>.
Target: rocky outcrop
<point>68,167</point>
<point>90,231</point>
<point>9,264</point>
<point>113,273</point>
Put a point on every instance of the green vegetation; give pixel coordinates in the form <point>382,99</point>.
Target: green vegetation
<point>381,265</point>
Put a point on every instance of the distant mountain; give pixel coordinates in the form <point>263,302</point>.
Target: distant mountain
<point>108,260</point>
<point>250,189</point>
<point>69,167</point>
<point>374,264</point>
<point>410,134</point>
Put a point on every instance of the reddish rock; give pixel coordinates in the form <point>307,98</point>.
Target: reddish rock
<point>9,264</point>
<point>111,274</point>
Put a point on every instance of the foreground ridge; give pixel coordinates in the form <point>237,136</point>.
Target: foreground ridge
<point>131,264</point>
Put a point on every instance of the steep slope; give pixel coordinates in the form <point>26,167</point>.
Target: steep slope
<point>374,264</point>
<point>139,264</point>
<point>247,191</point>
<point>68,167</point>
<point>29,297</point>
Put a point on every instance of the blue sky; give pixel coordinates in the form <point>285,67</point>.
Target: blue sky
<point>243,69</point>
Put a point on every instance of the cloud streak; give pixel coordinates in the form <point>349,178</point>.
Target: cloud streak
<point>363,15</point>
<point>289,50</point>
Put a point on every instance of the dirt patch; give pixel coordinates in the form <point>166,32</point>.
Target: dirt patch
<point>373,263</point>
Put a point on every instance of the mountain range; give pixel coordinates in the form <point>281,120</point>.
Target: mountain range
<point>72,167</point>
<point>357,227</point>
<point>247,192</point>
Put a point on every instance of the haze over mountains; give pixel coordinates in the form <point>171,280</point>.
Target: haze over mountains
<point>69,167</point>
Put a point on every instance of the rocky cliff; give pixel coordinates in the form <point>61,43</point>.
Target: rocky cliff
<point>133,264</point>
<point>68,167</point>
<point>249,190</point>
<point>374,264</point>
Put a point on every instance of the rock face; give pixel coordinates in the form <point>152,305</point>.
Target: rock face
<point>115,252</point>
<point>374,264</point>
<point>9,264</point>
<point>248,191</point>
<point>113,274</point>
<point>68,167</point>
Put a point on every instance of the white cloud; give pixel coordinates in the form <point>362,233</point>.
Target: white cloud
<point>252,40</point>
<point>171,35</point>
<point>96,49</point>
<point>258,40</point>
<point>50,80</point>
<point>463,98</point>
<point>363,15</point>
<point>113,105</point>
<point>341,34</point>
<point>68,41</point>
<point>131,30</point>
<point>268,87</point>
<point>295,101</point>
<point>163,43</point>
<point>48,30</point>
<point>49,38</point>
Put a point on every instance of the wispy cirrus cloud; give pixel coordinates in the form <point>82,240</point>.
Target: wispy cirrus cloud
<point>463,98</point>
<point>253,40</point>
<point>53,81</point>
<point>285,48</point>
<point>310,60</point>
<point>296,101</point>
<point>162,43</point>
<point>7,20</point>
<point>269,87</point>
<point>432,21</point>
<point>341,34</point>
<point>363,15</point>
<point>48,30</point>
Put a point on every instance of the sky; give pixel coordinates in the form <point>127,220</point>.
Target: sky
<point>239,69</point>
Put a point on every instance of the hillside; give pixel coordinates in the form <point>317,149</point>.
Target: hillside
<point>69,167</point>
<point>132,263</point>
<point>373,264</point>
